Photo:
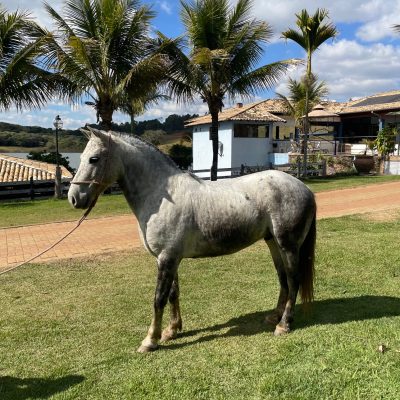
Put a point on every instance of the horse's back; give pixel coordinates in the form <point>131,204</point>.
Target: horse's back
<point>232,214</point>
<point>290,204</point>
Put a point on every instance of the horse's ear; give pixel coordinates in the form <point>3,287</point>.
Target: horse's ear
<point>102,135</point>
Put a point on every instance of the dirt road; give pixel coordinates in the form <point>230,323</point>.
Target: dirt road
<point>120,233</point>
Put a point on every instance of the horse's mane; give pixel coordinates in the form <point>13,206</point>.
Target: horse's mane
<point>134,139</point>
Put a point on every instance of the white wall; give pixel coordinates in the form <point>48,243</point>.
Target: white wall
<point>202,148</point>
<point>250,151</point>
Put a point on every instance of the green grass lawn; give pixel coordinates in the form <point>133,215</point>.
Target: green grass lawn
<point>344,182</point>
<point>70,330</point>
<point>16,213</point>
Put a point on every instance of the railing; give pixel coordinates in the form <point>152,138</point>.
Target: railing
<point>295,169</point>
<point>30,189</point>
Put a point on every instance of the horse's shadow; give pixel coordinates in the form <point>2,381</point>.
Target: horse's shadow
<point>323,312</point>
<point>12,388</point>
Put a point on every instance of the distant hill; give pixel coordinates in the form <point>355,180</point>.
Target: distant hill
<point>14,136</point>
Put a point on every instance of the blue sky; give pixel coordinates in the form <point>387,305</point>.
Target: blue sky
<point>364,58</point>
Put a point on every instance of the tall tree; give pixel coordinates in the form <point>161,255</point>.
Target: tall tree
<point>295,102</point>
<point>396,28</point>
<point>311,33</point>
<point>225,44</point>
<point>102,48</point>
<point>23,81</point>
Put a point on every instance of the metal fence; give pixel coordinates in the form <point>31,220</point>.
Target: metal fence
<point>295,169</point>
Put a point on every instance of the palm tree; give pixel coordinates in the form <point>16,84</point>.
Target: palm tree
<point>295,102</point>
<point>311,33</point>
<point>23,82</point>
<point>396,28</point>
<point>102,48</point>
<point>225,44</point>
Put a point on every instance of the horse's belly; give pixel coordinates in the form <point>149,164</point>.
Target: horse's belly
<point>223,241</point>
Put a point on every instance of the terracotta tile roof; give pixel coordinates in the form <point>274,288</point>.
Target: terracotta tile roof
<point>261,111</point>
<point>385,101</point>
<point>14,169</point>
<point>268,110</point>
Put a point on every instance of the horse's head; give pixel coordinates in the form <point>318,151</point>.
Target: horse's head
<point>97,170</point>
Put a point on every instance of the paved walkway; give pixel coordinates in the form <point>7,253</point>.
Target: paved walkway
<point>120,233</point>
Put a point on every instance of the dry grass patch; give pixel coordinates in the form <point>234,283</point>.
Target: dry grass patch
<point>382,216</point>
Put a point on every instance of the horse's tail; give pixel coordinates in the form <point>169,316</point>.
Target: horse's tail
<point>307,251</point>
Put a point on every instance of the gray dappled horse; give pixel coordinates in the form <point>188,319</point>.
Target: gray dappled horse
<point>181,216</point>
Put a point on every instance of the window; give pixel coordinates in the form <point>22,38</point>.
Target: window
<point>251,131</point>
<point>277,132</point>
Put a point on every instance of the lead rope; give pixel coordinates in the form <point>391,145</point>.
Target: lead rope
<point>79,222</point>
<point>54,244</point>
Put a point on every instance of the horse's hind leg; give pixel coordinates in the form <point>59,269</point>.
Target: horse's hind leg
<point>175,323</point>
<point>276,315</point>
<point>291,262</point>
<point>167,268</point>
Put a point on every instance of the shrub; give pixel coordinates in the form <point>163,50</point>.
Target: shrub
<point>182,155</point>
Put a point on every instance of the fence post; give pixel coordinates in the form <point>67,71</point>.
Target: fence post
<point>31,189</point>
<point>298,167</point>
<point>323,167</point>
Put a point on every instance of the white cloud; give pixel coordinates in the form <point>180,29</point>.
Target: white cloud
<point>166,108</point>
<point>35,7</point>
<point>351,69</point>
<point>381,27</point>
<point>372,14</point>
<point>165,6</point>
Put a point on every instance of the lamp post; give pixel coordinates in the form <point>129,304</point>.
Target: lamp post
<point>58,124</point>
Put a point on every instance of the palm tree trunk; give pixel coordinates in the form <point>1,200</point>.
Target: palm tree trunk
<point>132,123</point>
<point>306,122</point>
<point>105,111</point>
<point>305,137</point>
<point>214,138</point>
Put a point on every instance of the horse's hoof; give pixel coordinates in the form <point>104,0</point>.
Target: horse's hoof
<point>147,348</point>
<point>168,335</point>
<point>281,330</point>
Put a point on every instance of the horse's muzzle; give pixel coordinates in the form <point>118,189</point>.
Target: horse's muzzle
<point>78,199</point>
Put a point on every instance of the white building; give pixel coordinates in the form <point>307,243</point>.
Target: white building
<point>247,134</point>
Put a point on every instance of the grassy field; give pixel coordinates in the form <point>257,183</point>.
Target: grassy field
<point>18,213</point>
<point>343,182</point>
<point>70,330</point>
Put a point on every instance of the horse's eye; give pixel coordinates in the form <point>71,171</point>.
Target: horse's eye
<point>93,160</point>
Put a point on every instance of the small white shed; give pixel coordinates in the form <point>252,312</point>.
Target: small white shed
<point>245,138</point>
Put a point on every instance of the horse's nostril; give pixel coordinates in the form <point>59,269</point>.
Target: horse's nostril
<point>73,201</point>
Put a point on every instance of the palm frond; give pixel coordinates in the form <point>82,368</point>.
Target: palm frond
<point>23,80</point>
<point>103,47</point>
<point>312,31</point>
<point>296,100</point>
<point>264,77</point>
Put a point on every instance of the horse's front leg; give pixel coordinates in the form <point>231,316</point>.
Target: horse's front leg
<point>167,268</point>
<point>175,323</point>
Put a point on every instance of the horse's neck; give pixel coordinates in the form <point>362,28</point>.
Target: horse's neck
<point>146,176</point>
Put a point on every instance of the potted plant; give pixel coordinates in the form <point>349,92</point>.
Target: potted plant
<point>385,143</point>
<point>365,163</point>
